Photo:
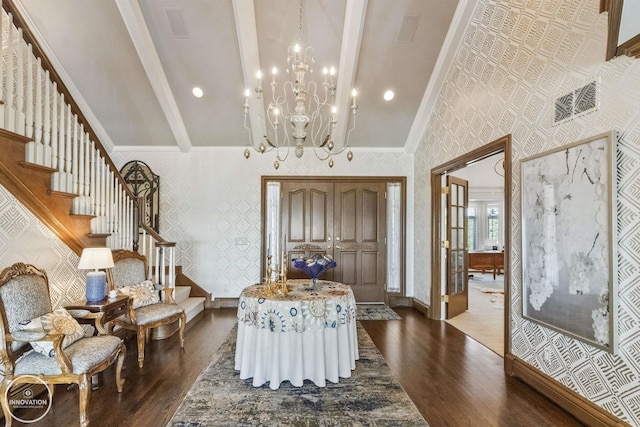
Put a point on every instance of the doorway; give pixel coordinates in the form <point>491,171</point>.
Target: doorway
<point>440,264</point>
<point>359,222</point>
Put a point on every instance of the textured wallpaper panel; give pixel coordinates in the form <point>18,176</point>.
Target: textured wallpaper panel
<point>517,57</point>
<point>210,198</point>
<point>23,238</point>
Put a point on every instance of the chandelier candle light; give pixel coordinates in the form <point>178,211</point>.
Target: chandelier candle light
<point>309,108</point>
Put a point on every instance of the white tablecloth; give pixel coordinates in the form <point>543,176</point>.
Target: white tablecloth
<point>307,334</point>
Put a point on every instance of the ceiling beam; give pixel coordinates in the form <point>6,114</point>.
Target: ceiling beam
<point>245,17</point>
<point>351,39</point>
<point>141,38</point>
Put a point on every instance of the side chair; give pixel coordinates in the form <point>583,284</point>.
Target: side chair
<point>41,345</point>
<point>146,309</point>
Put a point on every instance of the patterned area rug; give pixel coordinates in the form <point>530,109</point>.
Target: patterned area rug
<point>371,397</point>
<point>375,312</point>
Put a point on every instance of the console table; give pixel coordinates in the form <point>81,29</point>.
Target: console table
<point>308,334</point>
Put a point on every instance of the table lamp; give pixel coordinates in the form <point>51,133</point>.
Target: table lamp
<point>95,259</point>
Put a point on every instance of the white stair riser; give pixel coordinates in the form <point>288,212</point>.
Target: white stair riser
<point>192,306</point>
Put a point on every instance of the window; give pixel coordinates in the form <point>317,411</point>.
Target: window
<point>472,228</point>
<point>493,223</point>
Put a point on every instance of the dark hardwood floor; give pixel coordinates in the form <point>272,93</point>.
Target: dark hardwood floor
<point>453,380</point>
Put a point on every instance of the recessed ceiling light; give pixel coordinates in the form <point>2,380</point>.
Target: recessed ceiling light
<point>388,95</point>
<point>197,92</point>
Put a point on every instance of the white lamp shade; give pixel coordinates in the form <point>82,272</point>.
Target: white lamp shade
<point>95,258</point>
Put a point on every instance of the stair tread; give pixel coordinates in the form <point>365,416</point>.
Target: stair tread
<point>192,301</point>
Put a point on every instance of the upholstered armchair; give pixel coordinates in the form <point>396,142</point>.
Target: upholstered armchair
<point>42,345</point>
<point>146,309</point>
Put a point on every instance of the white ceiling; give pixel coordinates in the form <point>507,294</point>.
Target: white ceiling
<point>131,64</point>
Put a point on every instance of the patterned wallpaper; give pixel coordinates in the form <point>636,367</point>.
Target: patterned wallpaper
<point>23,238</point>
<point>516,57</point>
<point>209,198</point>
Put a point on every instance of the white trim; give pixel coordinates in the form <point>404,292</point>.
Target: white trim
<point>459,23</point>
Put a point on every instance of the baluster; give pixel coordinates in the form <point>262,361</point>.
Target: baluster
<point>130,225</point>
<point>172,268</point>
<point>30,149</point>
<point>81,187</point>
<point>103,195</point>
<point>9,116</point>
<point>19,114</point>
<point>87,175</point>
<point>92,179</point>
<point>99,194</point>
<point>3,101</point>
<point>68,178</point>
<point>74,156</point>
<point>109,213</point>
<point>29,107</point>
<point>61,136</point>
<point>116,212</point>
<point>54,126</point>
<point>46,126</point>
<point>95,190</point>
<point>37,136</point>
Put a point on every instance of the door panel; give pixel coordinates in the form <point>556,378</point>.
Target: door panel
<point>360,227</point>
<point>320,213</point>
<point>296,231</point>
<point>457,271</point>
<point>307,211</point>
<point>344,220</point>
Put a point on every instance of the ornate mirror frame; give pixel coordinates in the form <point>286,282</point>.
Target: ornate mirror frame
<point>145,184</point>
<point>630,47</point>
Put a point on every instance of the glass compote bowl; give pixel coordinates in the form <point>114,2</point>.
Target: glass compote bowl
<point>314,266</point>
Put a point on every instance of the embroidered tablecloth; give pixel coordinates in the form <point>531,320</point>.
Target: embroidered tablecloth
<point>308,334</point>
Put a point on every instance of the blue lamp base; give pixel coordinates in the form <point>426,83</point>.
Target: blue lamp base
<point>96,286</point>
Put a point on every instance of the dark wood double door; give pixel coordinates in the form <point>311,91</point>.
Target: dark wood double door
<point>346,220</point>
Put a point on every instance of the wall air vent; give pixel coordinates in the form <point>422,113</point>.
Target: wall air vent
<point>577,102</point>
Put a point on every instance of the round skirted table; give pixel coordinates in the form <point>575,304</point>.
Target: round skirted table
<point>307,334</point>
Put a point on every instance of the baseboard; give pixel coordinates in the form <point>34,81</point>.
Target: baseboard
<point>421,307</point>
<point>398,301</point>
<point>225,303</point>
<point>578,406</point>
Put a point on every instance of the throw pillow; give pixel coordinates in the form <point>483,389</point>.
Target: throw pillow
<point>58,321</point>
<point>143,294</point>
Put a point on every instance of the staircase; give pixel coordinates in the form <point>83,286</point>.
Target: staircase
<point>52,162</point>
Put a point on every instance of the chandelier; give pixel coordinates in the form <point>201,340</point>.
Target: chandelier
<point>300,111</point>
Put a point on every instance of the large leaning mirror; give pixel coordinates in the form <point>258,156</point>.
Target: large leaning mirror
<point>624,27</point>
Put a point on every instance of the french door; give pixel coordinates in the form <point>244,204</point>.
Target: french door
<point>456,246</point>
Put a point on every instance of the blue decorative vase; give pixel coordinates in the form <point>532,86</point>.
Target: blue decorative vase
<point>96,286</point>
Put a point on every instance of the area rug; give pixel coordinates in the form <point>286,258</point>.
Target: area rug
<point>371,397</point>
<point>375,312</point>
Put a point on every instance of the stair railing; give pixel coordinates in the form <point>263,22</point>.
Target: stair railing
<point>35,103</point>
